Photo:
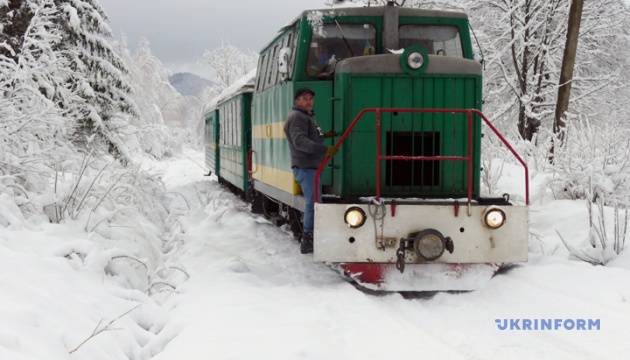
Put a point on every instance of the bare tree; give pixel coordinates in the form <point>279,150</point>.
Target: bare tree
<point>568,63</point>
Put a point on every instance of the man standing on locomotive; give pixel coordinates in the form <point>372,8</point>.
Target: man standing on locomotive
<point>306,144</point>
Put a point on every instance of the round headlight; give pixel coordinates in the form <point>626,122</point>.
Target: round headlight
<point>354,217</point>
<point>415,60</point>
<point>494,218</point>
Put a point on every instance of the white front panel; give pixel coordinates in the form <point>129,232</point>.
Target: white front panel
<point>476,244</point>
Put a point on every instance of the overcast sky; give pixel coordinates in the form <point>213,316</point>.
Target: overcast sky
<point>180,30</point>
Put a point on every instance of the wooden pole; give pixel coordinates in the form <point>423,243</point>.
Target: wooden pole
<point>568,64</point>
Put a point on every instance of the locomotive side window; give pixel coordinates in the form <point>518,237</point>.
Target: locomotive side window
<point>267,70</point>
<point>261,72</point>
<point>272,69</point>
<point>285,44</point>
<point>282,44</point>
<point>293,39</point>
<point>435,39</point>
<point>332,43</point>
<point>288,41</point>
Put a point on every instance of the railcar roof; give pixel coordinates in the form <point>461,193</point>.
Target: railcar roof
<point>243,85</point>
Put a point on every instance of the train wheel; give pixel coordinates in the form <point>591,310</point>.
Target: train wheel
<point>257,202</point>
<point>271,211</point>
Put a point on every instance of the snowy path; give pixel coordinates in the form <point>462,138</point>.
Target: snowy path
<point>253,296</point>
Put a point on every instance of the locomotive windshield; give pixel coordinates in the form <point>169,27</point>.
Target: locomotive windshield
<point>435,39</point>
<point>334,42</point>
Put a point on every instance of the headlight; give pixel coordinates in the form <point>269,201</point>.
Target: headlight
<point>415,60</point>
<point>494,218</point>
<point>355,217</point>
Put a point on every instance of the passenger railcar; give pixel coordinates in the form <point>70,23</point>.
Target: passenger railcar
<point>401,208</point>
<point>228,136</point>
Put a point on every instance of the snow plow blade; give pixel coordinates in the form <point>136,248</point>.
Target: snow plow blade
<point>419,277</point>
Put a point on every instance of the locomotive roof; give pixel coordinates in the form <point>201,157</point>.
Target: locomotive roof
<point>371,11</point>
<point>380,10</point>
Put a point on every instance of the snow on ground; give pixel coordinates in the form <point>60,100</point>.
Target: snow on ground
<point>251,295</point>
<point>57,285</point>
<point>60,285</point>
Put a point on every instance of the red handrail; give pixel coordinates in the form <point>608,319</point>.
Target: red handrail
<point>379,157</point>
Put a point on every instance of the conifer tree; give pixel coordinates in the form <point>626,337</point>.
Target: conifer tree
<point>98,74</point>
<point>15,16</point>
<point>91,89</point>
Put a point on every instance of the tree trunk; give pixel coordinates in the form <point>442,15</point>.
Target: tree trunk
<point>568,63</point>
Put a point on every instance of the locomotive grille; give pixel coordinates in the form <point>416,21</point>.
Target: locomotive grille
<point>413,173</point>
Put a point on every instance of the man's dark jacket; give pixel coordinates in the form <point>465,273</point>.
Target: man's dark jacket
<point>305,140</point>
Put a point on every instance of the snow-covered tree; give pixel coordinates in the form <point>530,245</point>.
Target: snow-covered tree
<point>33,130</point>
<point>525,48</point>
<point>158,103</point>
<point>91,88</point>
<point>98,73</point>
<point>229,63</point>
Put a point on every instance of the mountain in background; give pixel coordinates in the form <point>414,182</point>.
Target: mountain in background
<point>189,84</point>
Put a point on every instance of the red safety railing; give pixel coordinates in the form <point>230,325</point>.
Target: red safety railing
<point>379,157</point>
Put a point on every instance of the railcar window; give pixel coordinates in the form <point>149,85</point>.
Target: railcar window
<point>233,121</point>
<point>228,124</point>
<point>334,42</point>
<point>238,124</point>
<point>235,117</point>
<point>222,126</point>
<point>435,39</point>
<point>228,137</point>
<point>207,132</point>
<point>212,135</point>
<point>231,135</point>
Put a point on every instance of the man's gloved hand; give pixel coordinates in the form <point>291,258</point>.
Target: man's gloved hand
<point>331,151</point>
<point>330,134</point>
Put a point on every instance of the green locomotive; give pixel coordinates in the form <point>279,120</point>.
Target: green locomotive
<point>402,87</point>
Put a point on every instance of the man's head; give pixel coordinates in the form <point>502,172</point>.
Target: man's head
<point>304,99</point>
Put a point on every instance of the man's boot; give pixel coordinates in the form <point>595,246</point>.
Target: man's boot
<point>306,243</point>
